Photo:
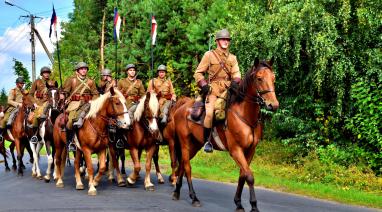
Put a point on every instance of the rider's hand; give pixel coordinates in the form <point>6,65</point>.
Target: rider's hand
<point>62,96</point>
<point>20,104</point>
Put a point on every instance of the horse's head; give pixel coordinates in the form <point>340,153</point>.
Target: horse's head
<point>53,94</point>
<point>147,112</point>
<point>28,107</point>
<point>263,85</point>
<point>117,108</point>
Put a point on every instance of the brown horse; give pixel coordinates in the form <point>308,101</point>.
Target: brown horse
<point>109,108</point>
<point>18,132</point>
<point>143,136</point>
<point>239,135</point>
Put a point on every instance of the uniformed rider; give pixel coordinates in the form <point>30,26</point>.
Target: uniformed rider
<point>15,100</point>
<point>223,70</point>
<point>78,90</point>
<point>106,81</point>
<point>132,88</point>
<point>165,92</point>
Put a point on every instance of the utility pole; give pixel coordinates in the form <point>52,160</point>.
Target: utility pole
<point>31,17</point>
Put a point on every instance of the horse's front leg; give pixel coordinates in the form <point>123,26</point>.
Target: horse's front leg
<point>102,167</point>
<point>114,161</point>
<point>149,157</point>
<point>132,178</point>
<point>12,150</point>
<point>187,168</point>
<point>89,165</point>
<point>50,160</point>
<point>156,162</point>
<point>79,184</point>
<point>36,156</point>
<point>19,150</point>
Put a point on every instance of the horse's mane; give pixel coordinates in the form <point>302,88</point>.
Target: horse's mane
<point>96,105</point>
<point>153,105</point>
<point>237,96</point>
<point>180,102</point>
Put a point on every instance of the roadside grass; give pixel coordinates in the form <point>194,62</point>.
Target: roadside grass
<point>345,185</point>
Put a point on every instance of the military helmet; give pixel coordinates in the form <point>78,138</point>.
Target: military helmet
<point>162,68</point>
<point>20,80</point>
<point>81,65</point>
<point>45,69</point>
<point>129,66</point>
<point>106,72</point>
<point>222,34</point>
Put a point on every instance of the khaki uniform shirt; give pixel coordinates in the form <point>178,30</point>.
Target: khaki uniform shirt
<point>39,90</point>
<point>131,89</point>
<point>15,97</point>
<point>73,87</point>
<point>163,87</point>
<point>219,80</point>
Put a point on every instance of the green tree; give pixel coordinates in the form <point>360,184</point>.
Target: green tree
<point>21,71</point>
<point>3,97</point>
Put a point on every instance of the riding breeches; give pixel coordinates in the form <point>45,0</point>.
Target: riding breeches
<point>164,106</point>
<point>131,110</point>
<point>38,112</point>
<point>74,114</point>
<point>7,115</point>
<point>210,106</point>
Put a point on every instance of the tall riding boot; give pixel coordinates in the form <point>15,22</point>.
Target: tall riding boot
<point>207,140</point>
<point>78,124</point>
<point>69,141</point>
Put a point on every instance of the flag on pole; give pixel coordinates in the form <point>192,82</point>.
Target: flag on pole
<point>153,30</point>
<point>117,24</point>
<point>53,21</point>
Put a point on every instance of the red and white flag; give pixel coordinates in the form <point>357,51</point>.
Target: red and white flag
<point>117,24</point>
<point>153,30</point>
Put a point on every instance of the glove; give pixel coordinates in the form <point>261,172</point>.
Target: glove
<point>204,90</point>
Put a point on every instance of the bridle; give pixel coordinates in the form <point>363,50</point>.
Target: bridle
<point>145,122</point>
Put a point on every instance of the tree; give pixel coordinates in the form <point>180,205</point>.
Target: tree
<point>3,97</point>
<point>21,71</point>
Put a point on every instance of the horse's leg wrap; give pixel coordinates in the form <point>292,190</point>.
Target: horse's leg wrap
<point>207,140</point>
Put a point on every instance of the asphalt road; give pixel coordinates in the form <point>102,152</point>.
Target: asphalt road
<point>29,194</point>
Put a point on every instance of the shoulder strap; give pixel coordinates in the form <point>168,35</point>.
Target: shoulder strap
<point>78,88</point>
<point>131,87</point>
<point>222,66</point>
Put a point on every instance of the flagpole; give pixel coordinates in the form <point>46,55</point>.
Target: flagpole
<point>116,59</point>
<point>151,47</point>
<point>58,58</point>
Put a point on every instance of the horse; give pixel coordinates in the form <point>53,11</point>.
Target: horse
<point>18,133</point>
<point>92,137</point>
<point>143,136</point>
<point>45,134</point>
<point>239,134</point>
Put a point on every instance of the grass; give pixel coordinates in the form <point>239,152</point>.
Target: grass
<point>270,173</point>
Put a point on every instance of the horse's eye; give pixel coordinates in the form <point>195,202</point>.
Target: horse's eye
<point>118,103</point>
<point>259,79</point>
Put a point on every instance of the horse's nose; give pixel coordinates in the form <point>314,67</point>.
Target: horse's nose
<point>273,106</point>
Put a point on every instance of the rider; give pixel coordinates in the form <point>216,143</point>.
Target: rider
<point>79,90</point>
<point>165,92</point>
<point>132,88</point>
<point>106,81</point>
<point>39,91</point>
<point>15,99</point>
<point>223,70</point>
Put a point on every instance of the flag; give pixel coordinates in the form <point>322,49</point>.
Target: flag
<point>117,24</point>
<point>53,21</point>
<point>153,30</point>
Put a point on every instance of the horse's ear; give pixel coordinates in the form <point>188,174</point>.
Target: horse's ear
<point>56,84</point>
<point>256,62</point>
<point>47,84</point>
<point>148,95</point>
<point>270,62</point>
<point>112,91</point>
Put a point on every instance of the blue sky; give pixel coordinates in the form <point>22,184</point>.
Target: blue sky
<point>15,35</point>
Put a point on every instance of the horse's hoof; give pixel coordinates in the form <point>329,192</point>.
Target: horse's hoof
<point>150,188</point>
<point>23,166</point>
<point>59,185</point>
<point>92,192</point>
<point>241,209</point>
<point>80,187</point>
<point>175,196</point>
<point>161,181</point>
<point>7,169</point>
<point>121,184</point>
<point>196,203</point>
<point>255,210</point>
<point>20,174</point>
<point>14,167</point>
<point>34,174</point>
<point>47,180</point>
<point>39,177</point>
<point>130,181</point>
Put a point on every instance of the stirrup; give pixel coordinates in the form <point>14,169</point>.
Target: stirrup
<point>119,144</point>
<point>72,147</point>
<point>208,147</point>
<point>34,140</point>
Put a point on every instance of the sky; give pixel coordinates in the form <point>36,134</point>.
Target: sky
<point>15,35</point>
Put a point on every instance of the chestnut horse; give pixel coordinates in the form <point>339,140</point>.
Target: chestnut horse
<point>92,137</point>
<point>18,131</point>
<point>239,135</point>
<point>45,133</point>
<point>143,136</point>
